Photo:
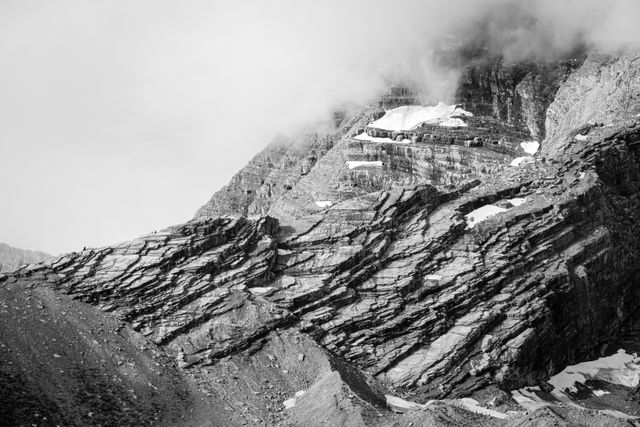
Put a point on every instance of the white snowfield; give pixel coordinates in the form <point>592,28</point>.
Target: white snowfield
<point>409,117</point>
<point>357,163</point>
<point>580,137</point>
<point>487,211</point>
<point>530,147</point>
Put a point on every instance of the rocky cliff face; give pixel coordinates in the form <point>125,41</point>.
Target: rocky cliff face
<point>604,90</point>
<point>293,175</point>
<point>444,273</point>
<point>11,258</point>
<point>517,94</point>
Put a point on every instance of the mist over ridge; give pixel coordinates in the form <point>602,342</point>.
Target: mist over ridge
<point>121,107</point>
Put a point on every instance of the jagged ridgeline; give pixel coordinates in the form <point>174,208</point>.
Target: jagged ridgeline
<point>349,276</point>
<point>11,258</point>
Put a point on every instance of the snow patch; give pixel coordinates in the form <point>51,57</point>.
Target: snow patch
<point>481,214</point>
<point>409,117</point>
<point>530,147</point>
<point>453,122</point>
<point>581,137</point>
<point>290,403</point>
<point>400,405</point>
<point>262,290</point>
<point>356,164</point>
<point>600,392</point>
<point>433,277</point>
<point>520,160</point>
<point>364,137</point>
<point>517,201</point>
<point>324,203</point>
<point>620,368</point>
<point>487,211</point>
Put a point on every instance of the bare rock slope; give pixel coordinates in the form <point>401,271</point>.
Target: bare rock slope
<point>11,258</point>
<point>285,180</point>
<point>403,286</point>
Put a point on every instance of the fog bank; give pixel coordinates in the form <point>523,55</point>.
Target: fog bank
<point>118,118</point>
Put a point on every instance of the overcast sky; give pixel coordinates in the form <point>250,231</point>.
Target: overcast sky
<point>121,117</point>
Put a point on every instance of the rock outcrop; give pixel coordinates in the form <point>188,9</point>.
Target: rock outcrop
<point>606,89</point>
<point>444,272</point>
<point>516,94</point>
<point>11,258</point>
<point>300,175</point>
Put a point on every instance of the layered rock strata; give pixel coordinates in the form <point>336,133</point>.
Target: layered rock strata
<point>509,103</point>
<point>421,284</point>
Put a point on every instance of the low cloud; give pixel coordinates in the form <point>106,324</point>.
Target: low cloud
<point>120,117</point>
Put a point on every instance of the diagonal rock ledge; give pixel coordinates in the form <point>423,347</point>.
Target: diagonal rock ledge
<point>391,278</point>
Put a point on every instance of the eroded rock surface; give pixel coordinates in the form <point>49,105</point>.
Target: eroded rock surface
<point>299,175</point>
<point>606,89</point>
<point>403,284</point>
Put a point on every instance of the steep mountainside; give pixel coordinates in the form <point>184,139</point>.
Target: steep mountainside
<point>436,271</point>
<point>604,90</point>
<point>12,258</point>
<point>289,177</point>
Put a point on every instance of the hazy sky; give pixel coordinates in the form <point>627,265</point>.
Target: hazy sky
<point>121,117</point>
